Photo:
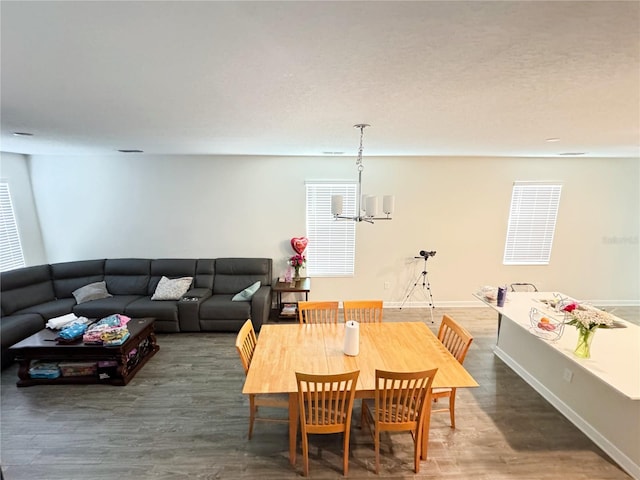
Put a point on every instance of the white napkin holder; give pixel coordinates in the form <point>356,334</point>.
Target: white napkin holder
<point>351,338</point>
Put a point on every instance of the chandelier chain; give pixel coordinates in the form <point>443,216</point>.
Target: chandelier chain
<point>359,164</point>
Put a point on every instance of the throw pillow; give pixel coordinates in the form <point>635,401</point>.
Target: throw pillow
<point>168,289</point>
<point>246,294</point>
<point>93,291</point>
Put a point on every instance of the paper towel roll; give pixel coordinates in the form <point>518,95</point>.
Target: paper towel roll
<point>352,338</point>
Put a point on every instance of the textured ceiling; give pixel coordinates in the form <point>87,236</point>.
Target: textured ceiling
<point>291,78</point>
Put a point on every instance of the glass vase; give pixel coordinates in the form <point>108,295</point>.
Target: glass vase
<point>297,273</point>
<point>583,348</point>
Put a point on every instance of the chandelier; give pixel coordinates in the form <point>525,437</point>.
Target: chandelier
<point>367,205</point>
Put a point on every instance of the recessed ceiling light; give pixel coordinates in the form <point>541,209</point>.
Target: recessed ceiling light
<point>130,151</point>
<point>22,134</point>
<point>571,154</point>
<point>552,139</point>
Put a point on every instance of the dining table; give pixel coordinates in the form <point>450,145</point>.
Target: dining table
<point>284,349</point>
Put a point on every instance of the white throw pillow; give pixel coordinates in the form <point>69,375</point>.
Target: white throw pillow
<point>93,291</point>
<point>171,289</point>
<point>246,294</point>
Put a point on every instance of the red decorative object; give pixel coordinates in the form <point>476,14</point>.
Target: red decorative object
<point>299,244</point>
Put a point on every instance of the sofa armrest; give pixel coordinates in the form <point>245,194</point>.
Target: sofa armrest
<point>261,306</point>
<point>199,293</point>
<point>189,308</point>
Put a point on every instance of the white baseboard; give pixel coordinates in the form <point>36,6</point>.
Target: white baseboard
<point>614,303</point>
<point>478,303</point>
<point>447,304</point>
<point>620,458</point>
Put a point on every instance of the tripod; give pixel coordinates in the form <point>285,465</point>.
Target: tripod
<point>426,287</point>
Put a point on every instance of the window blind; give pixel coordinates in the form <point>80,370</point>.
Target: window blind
<point>532,223</point>
<point>332,243</point>
<point>11,256</point>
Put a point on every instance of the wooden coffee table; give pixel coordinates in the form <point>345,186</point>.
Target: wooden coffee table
<point>126,359</point>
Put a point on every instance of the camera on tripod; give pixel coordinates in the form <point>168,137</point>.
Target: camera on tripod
<point>426,287</point>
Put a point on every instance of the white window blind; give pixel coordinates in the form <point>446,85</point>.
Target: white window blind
<point>332,243</point>
<point>10,247</point>
<point>532,223</point>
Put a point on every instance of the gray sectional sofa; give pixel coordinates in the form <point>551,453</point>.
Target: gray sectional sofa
<point>30,296</point>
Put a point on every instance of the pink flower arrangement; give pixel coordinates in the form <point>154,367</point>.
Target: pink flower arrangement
<point>297,260</point>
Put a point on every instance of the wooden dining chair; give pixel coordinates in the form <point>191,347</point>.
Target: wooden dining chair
<point>318,312</point>
<point>457,340</point>
<point>362,311</point>
<point>326,404</point>
<point>246,342</point>
<point>402,402</point>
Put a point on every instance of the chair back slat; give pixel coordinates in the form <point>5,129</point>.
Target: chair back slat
<point>326,401</point>
<point>246,342</point>
<point>455,338</point>
<point>318,312</point>
<point>402,397</point>
<point>362,311</point>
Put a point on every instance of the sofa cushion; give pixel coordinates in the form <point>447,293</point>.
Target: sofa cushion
<point>93,291</point>
<point>105,306</point>
<point>145,307</point>
<point>246,294</point>
<point>70,276</point>
<point>205,270</point>
<point>15,328</point>
<point>221,307</point>
<point>127,276</point>
<point>25,287</point>
<point>218,325</point>
<point>170,268</point>
<point>18,327</point>
<point>235,274</point>
<point>51,309</point>
<point>172,289</point>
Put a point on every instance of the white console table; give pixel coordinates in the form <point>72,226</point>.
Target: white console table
<point>600,395</point>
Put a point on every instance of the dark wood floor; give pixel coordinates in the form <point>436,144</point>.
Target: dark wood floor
<point>183,416</point>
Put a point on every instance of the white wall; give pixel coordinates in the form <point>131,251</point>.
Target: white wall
<point>14,169</point>
<point>202,206</point>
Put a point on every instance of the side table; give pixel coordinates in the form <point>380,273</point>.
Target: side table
<point>302,285</point>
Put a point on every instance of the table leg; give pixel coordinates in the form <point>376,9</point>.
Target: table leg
<point>293,426</point>
<point>23,369</point>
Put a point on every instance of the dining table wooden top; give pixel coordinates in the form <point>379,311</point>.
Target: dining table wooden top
<point>284,349</point>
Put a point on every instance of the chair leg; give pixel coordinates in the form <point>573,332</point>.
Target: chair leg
<point>376,442</point>
<point>424,439</point>
<point>452,407</point>
<point>417,449</point>
<point>305,454</point>
<point>345,460</point>
<point>252,413</point>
